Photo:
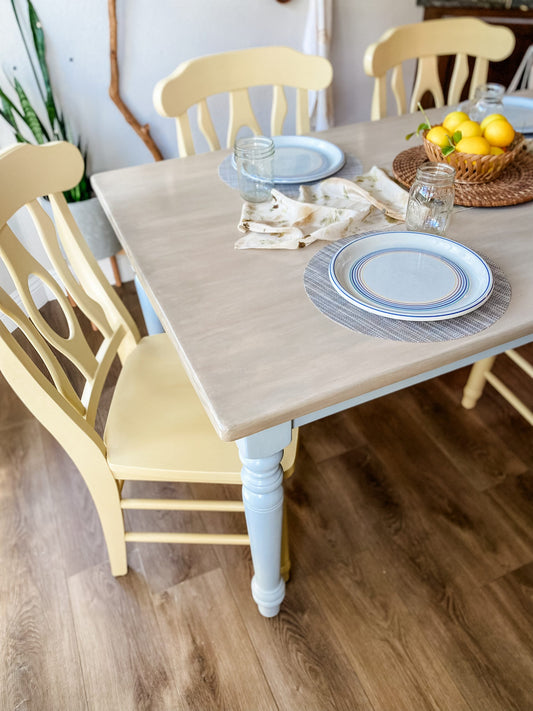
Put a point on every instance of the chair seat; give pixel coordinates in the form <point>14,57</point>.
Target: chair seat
<point>156,419</point>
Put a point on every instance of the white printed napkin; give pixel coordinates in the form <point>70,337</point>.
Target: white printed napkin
<point>329,210</point>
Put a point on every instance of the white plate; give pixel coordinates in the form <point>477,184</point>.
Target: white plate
<point>302,159</point>
<point>519,111</point>
<point>411,276</point>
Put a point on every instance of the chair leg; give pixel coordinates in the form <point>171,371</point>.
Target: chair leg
<point>112,521</point>
<point>117,557</point>
<point>476,382</point>
<point>285,569</point>
<point>116,272</point>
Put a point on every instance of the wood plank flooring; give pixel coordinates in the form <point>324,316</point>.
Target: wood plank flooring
<point>411,525</point>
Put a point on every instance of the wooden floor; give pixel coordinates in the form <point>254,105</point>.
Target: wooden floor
<point>412,584</point>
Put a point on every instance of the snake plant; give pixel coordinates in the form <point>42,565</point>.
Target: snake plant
<point>49,123</point>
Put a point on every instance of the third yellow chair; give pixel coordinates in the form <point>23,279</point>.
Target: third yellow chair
<point>426,41</point>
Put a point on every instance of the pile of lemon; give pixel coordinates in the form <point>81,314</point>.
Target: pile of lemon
<point>490,137</point>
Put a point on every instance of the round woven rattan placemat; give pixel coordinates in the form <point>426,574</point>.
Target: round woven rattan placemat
<point>513,186</point>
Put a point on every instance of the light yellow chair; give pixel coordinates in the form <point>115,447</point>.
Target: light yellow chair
<point>481,373</point>
<point>427,41</point>
<point>156,429</point>
<point>234,73</point>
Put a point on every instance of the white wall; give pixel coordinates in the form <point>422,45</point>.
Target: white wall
<point>156,35</point>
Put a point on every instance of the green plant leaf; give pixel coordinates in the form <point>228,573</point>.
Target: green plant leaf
<point>7,114</point>
<point>457,136</point>
<point>30,117</point>
<point>6,101</point>
<point>11,112</point>
<point>54,115</point>
<point>421,127</point>
<point>28,53</point>
<point>447,150</point>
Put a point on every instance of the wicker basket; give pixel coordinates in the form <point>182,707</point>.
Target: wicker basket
<point>471,168</point>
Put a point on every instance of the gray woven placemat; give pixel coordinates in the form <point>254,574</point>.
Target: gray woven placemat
<point>321,292</point>
<point>352,167</point>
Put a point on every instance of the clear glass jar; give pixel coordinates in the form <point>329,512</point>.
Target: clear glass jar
<point>254,160</point>
<point>488,99</point>
<point>431,199</point>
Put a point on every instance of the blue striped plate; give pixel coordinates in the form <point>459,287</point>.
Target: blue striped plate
<point>412,276</point>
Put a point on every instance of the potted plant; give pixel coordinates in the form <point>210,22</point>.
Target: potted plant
<point>48,123</point>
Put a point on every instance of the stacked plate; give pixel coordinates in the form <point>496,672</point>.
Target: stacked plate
<point>412,276</point>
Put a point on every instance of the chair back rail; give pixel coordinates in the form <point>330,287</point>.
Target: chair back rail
<point>235,73</point>
<point>426,41</point>
<point>73,271</point>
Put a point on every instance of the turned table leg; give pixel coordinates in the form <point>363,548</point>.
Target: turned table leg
<point>262,493</point>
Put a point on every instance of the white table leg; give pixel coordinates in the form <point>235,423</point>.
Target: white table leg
<point>262,493</point>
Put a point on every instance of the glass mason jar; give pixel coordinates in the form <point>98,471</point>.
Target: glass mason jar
<point>254,160</point>
<point>431,199</point>
<point>488,99</point>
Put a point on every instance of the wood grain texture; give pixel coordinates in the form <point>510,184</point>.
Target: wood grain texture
<point>117,629</point>
<point>410,586</point>
<point>37,638</point>
<point>206,648</point>
<point>485,536</point>
<point>382,639</point>
<point>236,310</point>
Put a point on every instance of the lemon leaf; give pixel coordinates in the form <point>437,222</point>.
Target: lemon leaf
<point>422,127</point>
<point>457,136</point>
<point>447,150</point>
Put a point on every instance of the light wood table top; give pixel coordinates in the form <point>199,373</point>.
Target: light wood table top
<point>256,348</point>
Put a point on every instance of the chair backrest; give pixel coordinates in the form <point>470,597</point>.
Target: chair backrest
<point>426,41</point>
<point>65,408</point>
<point>236,72</point>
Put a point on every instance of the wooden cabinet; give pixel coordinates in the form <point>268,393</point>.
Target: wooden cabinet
<point>518,16</point>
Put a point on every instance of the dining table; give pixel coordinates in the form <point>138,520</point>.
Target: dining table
<point>262,357</point>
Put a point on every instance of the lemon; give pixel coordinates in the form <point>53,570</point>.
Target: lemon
<point>453,119</point>
<point>473,144</point>
<point>499,133</point>
<point>469,128</point>
<point>495,151</point>
<point>489,118</point>
<point>439,136</point>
